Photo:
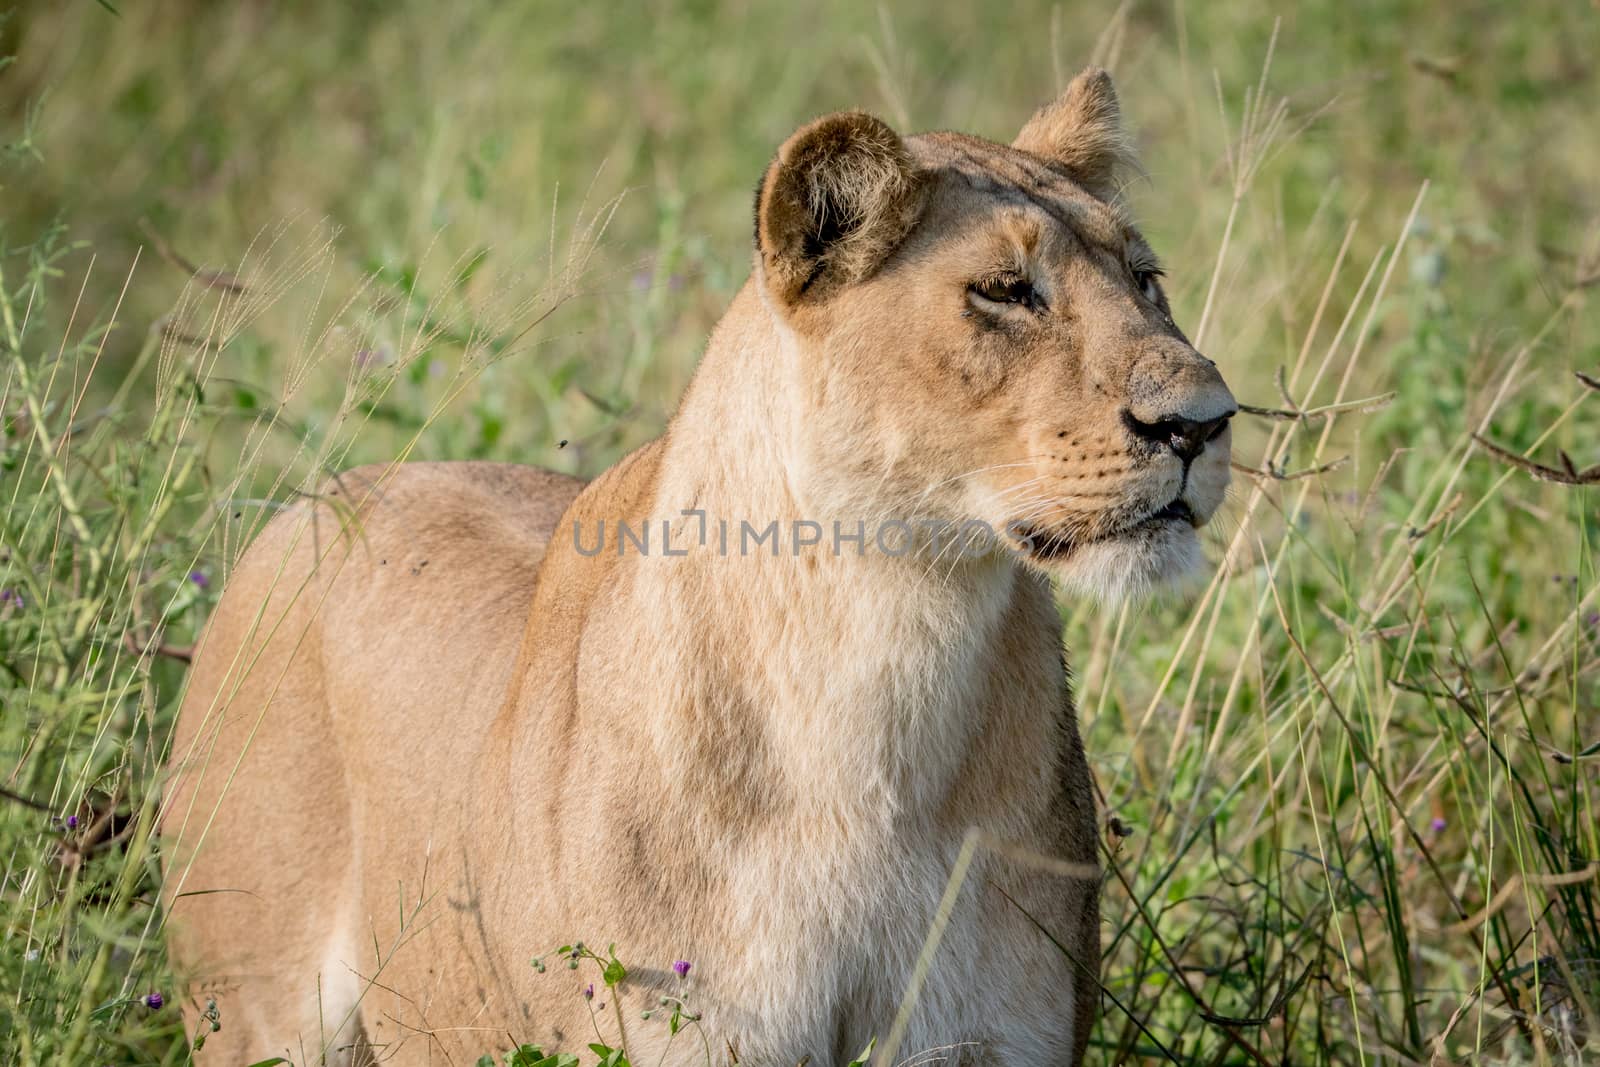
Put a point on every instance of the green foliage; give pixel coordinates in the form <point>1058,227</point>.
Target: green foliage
<point>90,557</point>
<point>1352,789</point>
<point>533,1056</point>
<point>614,972</point>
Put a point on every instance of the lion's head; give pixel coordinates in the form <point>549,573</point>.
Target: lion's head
<point>980,333</point>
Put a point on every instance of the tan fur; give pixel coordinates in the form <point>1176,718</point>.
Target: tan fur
<point>1082,133</point>
<point>430,735</point>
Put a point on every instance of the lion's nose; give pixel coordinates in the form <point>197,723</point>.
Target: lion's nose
<point>1186,437</point>
<point>1177,399</point>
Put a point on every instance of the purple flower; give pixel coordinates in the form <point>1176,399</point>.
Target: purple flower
<point>588,991</point>
<point>11,596</point>
<point>1438,824</point>
<point>153,1001</point>
<point>72,822</point>
<point>682,967</point>
<point>199,578</point>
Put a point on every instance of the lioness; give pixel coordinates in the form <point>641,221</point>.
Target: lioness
<point>451,717</point>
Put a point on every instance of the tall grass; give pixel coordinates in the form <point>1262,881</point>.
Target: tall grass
<point>1350,786</point>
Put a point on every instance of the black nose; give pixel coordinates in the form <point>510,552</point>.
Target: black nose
<point>1186,437</point>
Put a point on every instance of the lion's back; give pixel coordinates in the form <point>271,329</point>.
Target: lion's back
<point>395,591</point>
<point>358,652</point>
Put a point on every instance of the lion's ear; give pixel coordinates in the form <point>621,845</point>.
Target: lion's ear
<point>1082,133</point>
<point>841,195</point>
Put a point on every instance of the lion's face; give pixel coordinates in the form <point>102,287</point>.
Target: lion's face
<point>1009,356</point>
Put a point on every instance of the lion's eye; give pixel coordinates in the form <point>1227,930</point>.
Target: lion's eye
<point>1148,286</point>
<point>1008,289</point>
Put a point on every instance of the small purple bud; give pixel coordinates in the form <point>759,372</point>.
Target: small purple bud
<point>199,578</point>
<point>154,1001</point>
<point>682,967</point>
<point>1438,824</point>
<point>72,822</point>
<point>1592,619</point>
<point>588,991</point>
<point>11,596</point>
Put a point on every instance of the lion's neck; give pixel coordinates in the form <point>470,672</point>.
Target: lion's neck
<point>869,674</point>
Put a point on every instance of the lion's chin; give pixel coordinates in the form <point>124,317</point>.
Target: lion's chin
<point>1150,558</point>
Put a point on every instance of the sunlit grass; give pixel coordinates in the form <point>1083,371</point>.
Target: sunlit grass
<point>1350,784</point>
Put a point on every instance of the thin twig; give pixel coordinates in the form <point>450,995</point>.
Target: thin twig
<point>27,802</point>
<point>1292,412</point>
<point>155,646</point>
<point>210,279</point>
<point>1566,474</point>
<point>1275,475</point>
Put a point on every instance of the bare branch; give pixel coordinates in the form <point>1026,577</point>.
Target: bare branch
<point>156,647</point>
<point>1276,475</point>
<point>1416,533</point>
<point>1566,474</point>
<point>27,802</point>
<point>210,279</point>
<point>1294,414</point>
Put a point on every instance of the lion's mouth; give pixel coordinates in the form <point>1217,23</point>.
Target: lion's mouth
<point>1047,545</point>
<point>1174,509</point>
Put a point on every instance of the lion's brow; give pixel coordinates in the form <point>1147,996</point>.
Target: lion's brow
<point>1030,182</point>
<point>986,179</point>
<point>1077,219</point>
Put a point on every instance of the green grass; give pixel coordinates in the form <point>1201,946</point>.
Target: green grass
<point>1358,772</point>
